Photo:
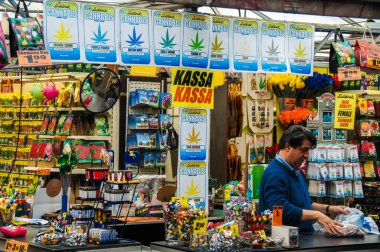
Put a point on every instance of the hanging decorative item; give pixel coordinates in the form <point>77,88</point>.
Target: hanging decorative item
<point>50,92</point>
<point>134,36</point>
<point>36,92</point>
<point>258,143</point>
<point>62,30</point>
<point>196,40</point>
<point>167,38</point>
<point>99,33</point>
<point>260,113</point>
<point>273,57</point>
<point>245,45</point>
<point>220,46</point>
<point>301,48</point>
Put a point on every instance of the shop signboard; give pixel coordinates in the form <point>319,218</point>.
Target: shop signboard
<point>273,56</point>
<point>345,106</point>
<point>245,45</point>
<point>220,44</point>
<point>135,35</point>
<point>99,33</point>
<point>61,29</point>
<point>167,38</point>
<point>301,48</point>
<point>193,160</point>
<point>196,40</point>
<point>193,88</point>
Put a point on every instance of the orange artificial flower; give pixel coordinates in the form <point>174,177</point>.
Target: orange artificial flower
<point>295,116</point>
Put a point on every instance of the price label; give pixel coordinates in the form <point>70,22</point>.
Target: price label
<point>227,195</point>
<point>277,216</point>
<point>52,230</point>
<point>15,246</point>
<point>235,230</point>
<point>262,234</point>
<point>34,58</point>
<point>68,229</point>
<point>64,215</point>
<point>349,73</point>
<point>200,226</point>
<point>373,62</point>
<point>43,171</point>
<point>23,189</point>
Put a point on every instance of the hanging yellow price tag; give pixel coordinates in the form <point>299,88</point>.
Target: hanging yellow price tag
<point>200,226</point>
<point>183,201</point>
<point>227,194</point>
<point>52,230</point>
<point>235,230</point>
<point>64,215</point>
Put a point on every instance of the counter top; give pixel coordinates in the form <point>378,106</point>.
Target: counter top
<point>309,242</point>
<point>121,243</point>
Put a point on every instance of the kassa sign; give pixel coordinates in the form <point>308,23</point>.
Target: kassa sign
<point>193,88</point>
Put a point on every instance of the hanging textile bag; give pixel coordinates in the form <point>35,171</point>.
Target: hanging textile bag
<point>4,58</point>
<point>26,32</point>
<point>366,50</point>
<point>341,53</point>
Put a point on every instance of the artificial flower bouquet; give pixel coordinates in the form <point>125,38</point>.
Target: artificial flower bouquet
<point>286,85</point>
<point>316,85</point>
<point>297,116</point>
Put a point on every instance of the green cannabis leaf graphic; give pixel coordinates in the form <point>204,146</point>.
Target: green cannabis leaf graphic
<point>167,42</point>
<point>216,46</point>
<point>300,51</point>
<point>272,51</point>
<point>197,44</point>
<point>262,83</point>
<point>100,38</point>
<point>134,39</point>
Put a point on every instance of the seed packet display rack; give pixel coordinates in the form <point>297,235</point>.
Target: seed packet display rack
<point>147,83</point>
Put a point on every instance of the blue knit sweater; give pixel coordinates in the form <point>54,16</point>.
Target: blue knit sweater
<point>283,186</point>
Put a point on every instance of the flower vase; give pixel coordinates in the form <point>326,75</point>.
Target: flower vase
<point>307,103</point>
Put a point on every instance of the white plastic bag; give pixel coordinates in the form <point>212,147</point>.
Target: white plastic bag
<point>356,217</point>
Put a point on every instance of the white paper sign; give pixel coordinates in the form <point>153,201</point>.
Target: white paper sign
<point>167,27</point>
<point>61,29</point>
<point>220,44</point>
<point>273,57</point>
<point>99,33</point>
<point>196,41</point>
<point>245,46</point>
<point>301,48</point>
<point>194,154</point>
<point>134,36</point>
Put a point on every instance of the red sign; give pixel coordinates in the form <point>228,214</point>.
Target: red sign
<point>34,58</point>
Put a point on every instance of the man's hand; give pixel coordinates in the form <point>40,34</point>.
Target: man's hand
<point>331,226</point>
<point>335,210</point>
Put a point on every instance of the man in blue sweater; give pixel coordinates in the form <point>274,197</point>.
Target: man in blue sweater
<point>283,185</point>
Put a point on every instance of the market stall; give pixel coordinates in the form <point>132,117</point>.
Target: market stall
<point>117,148</point>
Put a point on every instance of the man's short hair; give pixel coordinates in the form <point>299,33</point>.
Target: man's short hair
<point>295,135</point>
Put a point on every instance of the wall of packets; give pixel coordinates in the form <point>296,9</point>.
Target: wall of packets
<point>102,33</point>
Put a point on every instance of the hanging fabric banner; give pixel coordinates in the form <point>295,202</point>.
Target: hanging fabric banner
<point>245,46</point>
<point>167,38</point>
<point>273,57</point>
<point>62,30</point>
<point>220,44</point>
<point>194,154</point>
<point>99,33</point>
<point>196,40</point>
<point>301,48</point>
<point>134,36</point>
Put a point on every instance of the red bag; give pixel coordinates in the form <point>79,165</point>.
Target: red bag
<point>366,51</point>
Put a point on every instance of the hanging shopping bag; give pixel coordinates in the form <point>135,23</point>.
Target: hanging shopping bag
<point>4,58</point>
<point>366,51</point>
<point>26,32</point>
<point>341,53</point>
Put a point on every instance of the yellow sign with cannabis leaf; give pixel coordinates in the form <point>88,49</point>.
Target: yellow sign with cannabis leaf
<point>192,190</point>
<point>300,51</point>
